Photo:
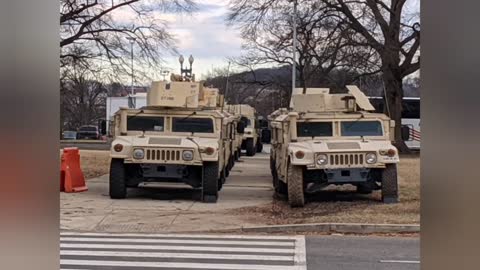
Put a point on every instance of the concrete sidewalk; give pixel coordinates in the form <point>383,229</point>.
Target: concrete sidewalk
<point>169,209</point>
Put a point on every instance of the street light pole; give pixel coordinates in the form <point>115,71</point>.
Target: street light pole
<point>132,40</point>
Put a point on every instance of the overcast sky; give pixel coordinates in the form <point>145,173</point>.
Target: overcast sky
<point>205,35</point>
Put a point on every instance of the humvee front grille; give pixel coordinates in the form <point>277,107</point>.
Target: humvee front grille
<point>346,159</point>
<point>163,154</point>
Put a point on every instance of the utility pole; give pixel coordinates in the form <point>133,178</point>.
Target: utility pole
<point>226,86</point>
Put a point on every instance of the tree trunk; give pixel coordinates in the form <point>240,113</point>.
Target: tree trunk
<point>394,96</point>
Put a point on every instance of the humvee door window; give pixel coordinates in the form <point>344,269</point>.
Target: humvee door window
<point>314,129</point>
<point>361,128</point>
<point>195,125</point>
<point>145,123</point>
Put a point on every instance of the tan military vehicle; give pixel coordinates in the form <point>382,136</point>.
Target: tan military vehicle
<point>180,136</point>
<point>251,141</point>
<point>232,126</point>
<point>334,139</point>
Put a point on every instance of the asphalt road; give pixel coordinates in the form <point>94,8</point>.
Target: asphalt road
<point>362,252</point>
<point>248,252</point>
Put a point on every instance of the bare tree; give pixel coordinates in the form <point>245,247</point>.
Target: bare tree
<point>384,26</point>
<point>325,40</point>
<point>265,89</point>
<point>82,99</point>
<point>97,31</point>
<point>373,35</point>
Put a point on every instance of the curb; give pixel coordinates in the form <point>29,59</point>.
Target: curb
<point>358,228</point>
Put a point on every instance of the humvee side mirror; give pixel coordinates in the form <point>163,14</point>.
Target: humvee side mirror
<point>241,127</point>
<point>405,133</point>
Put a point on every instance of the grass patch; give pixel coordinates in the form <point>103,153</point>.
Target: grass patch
<point>94,163</point>
<point>344,205</point>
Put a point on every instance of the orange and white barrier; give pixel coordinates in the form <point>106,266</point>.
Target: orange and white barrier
<point>71,175</point>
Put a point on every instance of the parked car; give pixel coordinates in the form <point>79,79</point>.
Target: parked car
<point>69,135</point>
<point>88,132</point>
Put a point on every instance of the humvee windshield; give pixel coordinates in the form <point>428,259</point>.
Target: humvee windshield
<point>314,129</point>
<point>361,128</point>
<point>145,123</point>
<point>195,125</point>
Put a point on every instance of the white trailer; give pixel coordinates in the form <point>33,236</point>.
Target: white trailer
<point>115,103</point>
<point>410,118</point>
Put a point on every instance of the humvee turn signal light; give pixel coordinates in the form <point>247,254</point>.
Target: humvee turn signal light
<point>299,154</point>
<point>209,150</point>
<point>389,152</point>
<point>118,147</point>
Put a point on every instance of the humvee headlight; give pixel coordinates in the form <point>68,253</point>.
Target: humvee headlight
<point>371,158</point>
<point>138,153</point>
<point>322,159</point>
<point>299,154</point>
<point>118,147</point>
<point>187,155</point>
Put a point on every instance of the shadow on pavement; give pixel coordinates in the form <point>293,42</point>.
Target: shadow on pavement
<point>164,193</point>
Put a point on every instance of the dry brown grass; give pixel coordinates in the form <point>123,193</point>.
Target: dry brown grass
<point>94,163</point>
<point>346,206</point>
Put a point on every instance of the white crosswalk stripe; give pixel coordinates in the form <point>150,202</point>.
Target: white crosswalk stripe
<point>101,251</point>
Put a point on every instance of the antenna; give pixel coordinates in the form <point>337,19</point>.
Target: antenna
<point>386,99</point>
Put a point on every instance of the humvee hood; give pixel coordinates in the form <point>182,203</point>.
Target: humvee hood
<point>172,141</point>
<point>317,146</point>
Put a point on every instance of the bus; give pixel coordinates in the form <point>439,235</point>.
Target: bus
<point>410,118</point>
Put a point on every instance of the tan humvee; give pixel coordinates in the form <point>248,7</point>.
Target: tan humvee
<point>251,141</point>
<point>180,136</point>
<point>332,139</point>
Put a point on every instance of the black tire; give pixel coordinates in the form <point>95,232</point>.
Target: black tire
<point>296,196</point>
<point>210,182</point>
<point>259,146</point>
<point>231,162</point>
<point>279,186</point>
<point>227,171</point>
<point>236,155</point>
<point>228,168</point>
<point>221,180</point>
<point>390,184</point>
<point>118,187</point>
<point>250,147</point>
